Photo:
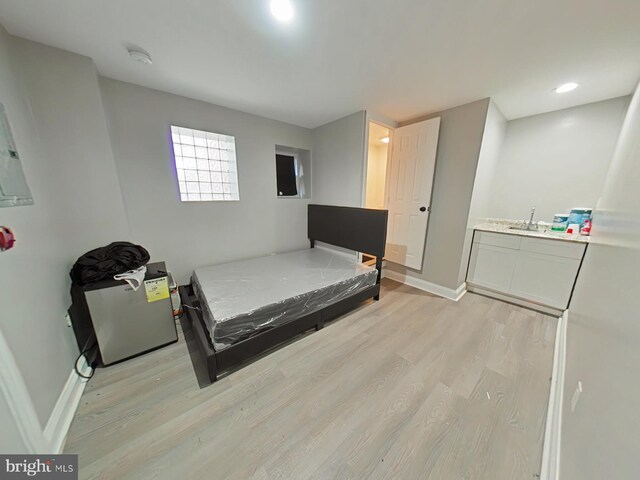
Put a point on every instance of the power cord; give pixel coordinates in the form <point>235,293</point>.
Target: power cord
<point>184,309</point>
<point>75,365</point>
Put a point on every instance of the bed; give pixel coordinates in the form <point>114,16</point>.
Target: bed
<point>240,309</point>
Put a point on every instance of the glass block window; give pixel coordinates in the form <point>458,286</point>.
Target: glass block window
<point>205,165</point>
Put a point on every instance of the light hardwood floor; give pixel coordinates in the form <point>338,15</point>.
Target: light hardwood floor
<point>413,386</point>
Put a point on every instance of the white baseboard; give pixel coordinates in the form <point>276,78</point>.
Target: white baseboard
<point>505,297</point>
<point>55,432</point>
<point>550,469</point>
<point>420,284</point>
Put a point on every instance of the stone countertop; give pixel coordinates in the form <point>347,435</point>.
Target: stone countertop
<point>502,226</point>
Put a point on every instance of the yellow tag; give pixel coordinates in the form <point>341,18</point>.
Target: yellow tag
<point>157,289</point>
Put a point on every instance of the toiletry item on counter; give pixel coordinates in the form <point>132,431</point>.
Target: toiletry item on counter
<point>560,222</point>
<point>573,229</point>
<point>579,216</point>
<point>586,228</point>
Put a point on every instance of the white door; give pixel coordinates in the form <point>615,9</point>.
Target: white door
<point>410,181</point>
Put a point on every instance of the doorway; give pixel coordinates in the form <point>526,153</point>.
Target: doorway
<point>376,178</point>
<point>400,173</point>
<point>378,152</point>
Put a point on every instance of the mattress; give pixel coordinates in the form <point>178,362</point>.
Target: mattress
<point>240,299</point>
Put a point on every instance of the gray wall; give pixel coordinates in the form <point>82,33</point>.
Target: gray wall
<point>461,131</point>
<point>600,439</point>
<point>338,161</point>
<point>556,160</point>
<point>191,234</point>
<point>483,192</point>
<point>67,162</point>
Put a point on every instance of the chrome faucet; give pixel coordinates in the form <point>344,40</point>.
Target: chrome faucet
<point>530,225</point>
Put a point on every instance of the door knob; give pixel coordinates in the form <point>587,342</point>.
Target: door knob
<point>423,209</point>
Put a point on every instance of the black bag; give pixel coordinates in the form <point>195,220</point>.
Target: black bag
<point>105,262</point>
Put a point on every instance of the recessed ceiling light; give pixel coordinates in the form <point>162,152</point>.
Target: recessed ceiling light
<point>566,87</point>
<point>140,56</point>
<point>385,139</point>
<point>282,10</point>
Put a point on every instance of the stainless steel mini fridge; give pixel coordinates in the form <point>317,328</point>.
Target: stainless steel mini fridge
<point>128,322</point>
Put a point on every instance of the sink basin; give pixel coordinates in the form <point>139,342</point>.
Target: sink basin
<point>524,229</point>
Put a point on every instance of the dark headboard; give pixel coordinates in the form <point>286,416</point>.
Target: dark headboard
<point>361,229</point>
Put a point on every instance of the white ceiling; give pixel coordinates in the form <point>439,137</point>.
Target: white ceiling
<point>400,58</point>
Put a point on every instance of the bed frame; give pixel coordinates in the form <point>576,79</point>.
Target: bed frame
<point>359,229</point>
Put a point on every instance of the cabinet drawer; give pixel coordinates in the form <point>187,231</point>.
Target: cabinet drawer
<point>497,239</point>
<point>557,248</point>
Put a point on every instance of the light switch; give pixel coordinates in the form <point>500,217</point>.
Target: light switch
<point>576,396</point>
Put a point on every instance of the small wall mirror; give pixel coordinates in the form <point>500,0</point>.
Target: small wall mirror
<point>14,190</point>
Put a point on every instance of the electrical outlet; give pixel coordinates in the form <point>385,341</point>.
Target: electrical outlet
<point>576,396</point>
<point>67,318</point>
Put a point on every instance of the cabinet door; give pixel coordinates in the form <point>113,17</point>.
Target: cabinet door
<point>544,278</point>
<point>492,267</point>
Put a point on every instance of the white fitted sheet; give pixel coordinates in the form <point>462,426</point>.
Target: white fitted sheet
<point>242,298</point>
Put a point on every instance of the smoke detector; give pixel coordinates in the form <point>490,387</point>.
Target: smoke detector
<point>140,56</point>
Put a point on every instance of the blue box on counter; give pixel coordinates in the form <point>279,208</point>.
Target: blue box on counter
<point>580,215</point>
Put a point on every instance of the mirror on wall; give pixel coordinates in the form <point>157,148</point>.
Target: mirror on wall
<point>14,190</point>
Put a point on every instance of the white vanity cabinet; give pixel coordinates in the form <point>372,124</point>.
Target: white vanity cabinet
<point>538,270</point>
